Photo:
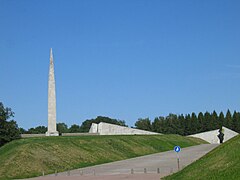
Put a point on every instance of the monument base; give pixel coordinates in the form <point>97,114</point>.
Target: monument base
<point>52,133</point>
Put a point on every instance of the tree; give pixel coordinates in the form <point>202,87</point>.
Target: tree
<point>236,121</point>
<point>188,125</point>
<point>75,129</point>
<point>22,131</point>
<point>158,125</point>
<point>195,124</point>
<point>228,120</point>
<point>172,124</point>
<point>37,130</point>
<point>182,124</point>
<point>62,128</point>
<point>214,121</point>
<point>201,121</point>
<point>220,119</point>
<point>8,129</point>
<point>206,121</point>
<point>144,124</point>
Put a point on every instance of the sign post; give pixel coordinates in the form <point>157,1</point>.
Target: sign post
<point>177,149</point>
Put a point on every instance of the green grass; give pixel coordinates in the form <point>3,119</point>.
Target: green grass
<point>31,156</point>
<point>221,163</point>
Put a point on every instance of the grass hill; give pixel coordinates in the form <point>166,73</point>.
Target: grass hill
<point>31,156</point>
<point>221,163</point>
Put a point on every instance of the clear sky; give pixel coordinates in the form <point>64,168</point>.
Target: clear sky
<point>125,59</point>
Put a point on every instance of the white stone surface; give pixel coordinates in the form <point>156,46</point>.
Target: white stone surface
<point>211,136</point>
<point>112,129</point>
<point>52,125</point>
<point>93,128</point>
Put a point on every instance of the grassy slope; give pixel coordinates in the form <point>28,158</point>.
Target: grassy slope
<point>29,157</point>
<point>221,163</point>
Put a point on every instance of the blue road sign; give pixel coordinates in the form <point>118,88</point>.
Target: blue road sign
<point>177,149</point>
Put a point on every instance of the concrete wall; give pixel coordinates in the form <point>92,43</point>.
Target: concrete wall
<point>79,134</point>
<point>63,134</point>
<point>211,136</point>
<point>32,135</point>
<point>112,129</point>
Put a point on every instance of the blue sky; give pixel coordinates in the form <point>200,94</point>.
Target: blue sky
<point>125,59</point>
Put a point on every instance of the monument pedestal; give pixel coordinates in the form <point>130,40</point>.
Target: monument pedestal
<point>52,133</point>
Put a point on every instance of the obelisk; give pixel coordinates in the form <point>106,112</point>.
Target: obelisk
<point>52,126</point>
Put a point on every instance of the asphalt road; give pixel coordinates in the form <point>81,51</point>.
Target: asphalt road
<point>149,167</point>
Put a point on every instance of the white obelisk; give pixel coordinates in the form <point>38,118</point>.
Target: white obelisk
<point>52,126</point>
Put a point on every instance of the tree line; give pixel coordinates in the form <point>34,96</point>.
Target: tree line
<point>191,123</point>
<point>75,128</point>
<point>171,124</point>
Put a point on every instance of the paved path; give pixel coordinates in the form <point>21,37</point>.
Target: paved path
<point>149,167</point>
